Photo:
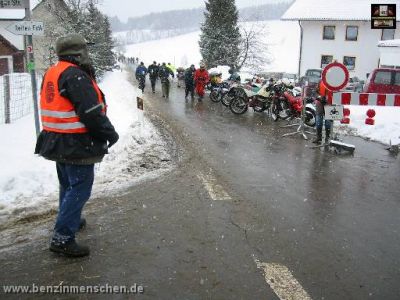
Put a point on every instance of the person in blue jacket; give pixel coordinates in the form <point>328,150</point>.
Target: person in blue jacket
<point>140,73</point>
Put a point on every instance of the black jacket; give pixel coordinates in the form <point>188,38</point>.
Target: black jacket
<point>189,77</point>
<point>79,148</point>
<point>153,71</point>
<point>164,73</point>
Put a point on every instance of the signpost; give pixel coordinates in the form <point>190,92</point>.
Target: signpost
<point>27,28</point>
<point>335,77</point>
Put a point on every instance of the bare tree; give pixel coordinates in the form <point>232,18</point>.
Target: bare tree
<point>254,52</point>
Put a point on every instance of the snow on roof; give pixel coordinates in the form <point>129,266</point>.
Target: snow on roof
<point>16,40</point>
<point>389,43</point>
<point>340,10</point>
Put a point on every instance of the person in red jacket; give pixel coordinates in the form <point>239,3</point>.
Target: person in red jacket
<point>201,78</point>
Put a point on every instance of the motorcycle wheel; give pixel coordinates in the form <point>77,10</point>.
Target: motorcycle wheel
<point>227,99</point>
<point>239,106</point>
<point>310,118</point>
<point>283,110</point>
<point>214,96</point>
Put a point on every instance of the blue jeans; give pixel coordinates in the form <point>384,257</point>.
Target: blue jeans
<point>76,183</point>
<point>319,119</point>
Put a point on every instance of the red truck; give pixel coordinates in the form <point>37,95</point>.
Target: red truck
<point>383,81</point>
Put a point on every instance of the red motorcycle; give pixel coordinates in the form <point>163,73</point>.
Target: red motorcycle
<point>292,105</point>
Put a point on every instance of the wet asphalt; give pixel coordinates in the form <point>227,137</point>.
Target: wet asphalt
<point>332,220</point>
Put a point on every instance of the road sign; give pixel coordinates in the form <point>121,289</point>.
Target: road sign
<point>333,112</point>
<point>27,28</point>
<point>13,4</point>
<point>139,102</point>
<point>335,76</point>
<point>29,49</point>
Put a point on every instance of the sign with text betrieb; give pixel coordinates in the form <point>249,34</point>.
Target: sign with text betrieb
<point>27,28</point>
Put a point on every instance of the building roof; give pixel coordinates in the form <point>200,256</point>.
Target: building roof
<point>389,43</point>
<point>334,10</point>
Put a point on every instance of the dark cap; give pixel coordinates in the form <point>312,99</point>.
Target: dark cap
<point>71,44</point>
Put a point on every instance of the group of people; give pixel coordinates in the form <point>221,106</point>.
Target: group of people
<point>195,80</point>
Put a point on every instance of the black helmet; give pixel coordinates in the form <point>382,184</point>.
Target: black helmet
<point>73,44</point>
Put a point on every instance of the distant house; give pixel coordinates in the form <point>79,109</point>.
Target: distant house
<point>12,47</point>
<point>389,51</point>
<point>339,30</point>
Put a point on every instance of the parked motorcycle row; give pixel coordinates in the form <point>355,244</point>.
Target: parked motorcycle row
<point>279,99</point>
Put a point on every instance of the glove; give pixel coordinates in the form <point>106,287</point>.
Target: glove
<point>113,139</point>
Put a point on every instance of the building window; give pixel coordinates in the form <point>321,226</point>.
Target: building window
<point>349,62</point>
<point>329,33</point>
<point>388,34</point>
<point>351,33</point>
<point>326,60</point>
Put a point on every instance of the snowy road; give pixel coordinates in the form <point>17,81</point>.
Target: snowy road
<point>245,215</point>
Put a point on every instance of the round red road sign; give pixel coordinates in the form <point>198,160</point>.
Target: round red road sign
<point>335,76</point>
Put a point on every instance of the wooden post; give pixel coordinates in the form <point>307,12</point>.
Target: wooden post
<point>7,98</point>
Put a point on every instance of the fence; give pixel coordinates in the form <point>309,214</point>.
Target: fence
<point>16,96</point>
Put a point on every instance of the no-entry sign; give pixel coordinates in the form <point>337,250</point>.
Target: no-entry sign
<point>335,76</point>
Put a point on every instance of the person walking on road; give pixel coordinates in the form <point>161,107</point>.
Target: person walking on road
<point>153,74</point>
<point>189,81</point>
<point>76,134</point>
<point>164,73</point>
<point>201,78</point>
<point>140,73</point>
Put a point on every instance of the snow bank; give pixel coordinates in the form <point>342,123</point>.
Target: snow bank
<point>387,123</point>
<point>28,183</point>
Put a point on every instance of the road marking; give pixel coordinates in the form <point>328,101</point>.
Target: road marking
<point>282,282</point>
<point>215,190</point>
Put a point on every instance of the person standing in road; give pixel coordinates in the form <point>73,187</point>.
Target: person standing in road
<point>153,74</point>
<point>140,73</point>
<point>320,103</point>
<point>164,73</point>
<point>76,134</point>
<point>189,81</point>
<point>201,78</point>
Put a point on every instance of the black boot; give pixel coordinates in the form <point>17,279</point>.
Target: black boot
<point>327,134</point>
<point>318,138</point>
<point>71,249</point>
<point>82,224</point>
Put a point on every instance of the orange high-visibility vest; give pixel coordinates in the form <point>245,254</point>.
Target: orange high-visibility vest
<point>57,112</point>
<point>322,89</point>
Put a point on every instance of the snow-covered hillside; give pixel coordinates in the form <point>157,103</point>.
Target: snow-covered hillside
<point>281,38</point>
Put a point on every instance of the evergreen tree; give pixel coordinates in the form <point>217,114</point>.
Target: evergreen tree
<point>220,35</point>
<point>97,31</point>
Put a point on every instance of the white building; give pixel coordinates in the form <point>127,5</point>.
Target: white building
<point>339,30</point>
<point>389,51</point>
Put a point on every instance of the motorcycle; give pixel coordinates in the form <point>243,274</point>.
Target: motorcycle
<point>291,106</point>
<point>219,90</point>
<point>238,97</point>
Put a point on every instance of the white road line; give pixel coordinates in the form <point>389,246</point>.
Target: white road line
<point>215,190</point>
<point>282,282</point>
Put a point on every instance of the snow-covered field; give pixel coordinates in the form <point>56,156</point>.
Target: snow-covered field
<point>281,38</point>
<point>28,183</point>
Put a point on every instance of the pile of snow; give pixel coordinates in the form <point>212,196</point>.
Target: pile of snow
<point>387,123</point>
<point>28,183</point>
<point>223,70</point>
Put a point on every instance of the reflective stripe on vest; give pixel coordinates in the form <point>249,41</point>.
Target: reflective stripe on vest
<point>57,112</point>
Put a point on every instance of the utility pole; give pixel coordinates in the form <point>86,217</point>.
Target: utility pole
<point>31,68</point>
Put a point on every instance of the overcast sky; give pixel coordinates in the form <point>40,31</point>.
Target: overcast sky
<point>133,8</point>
